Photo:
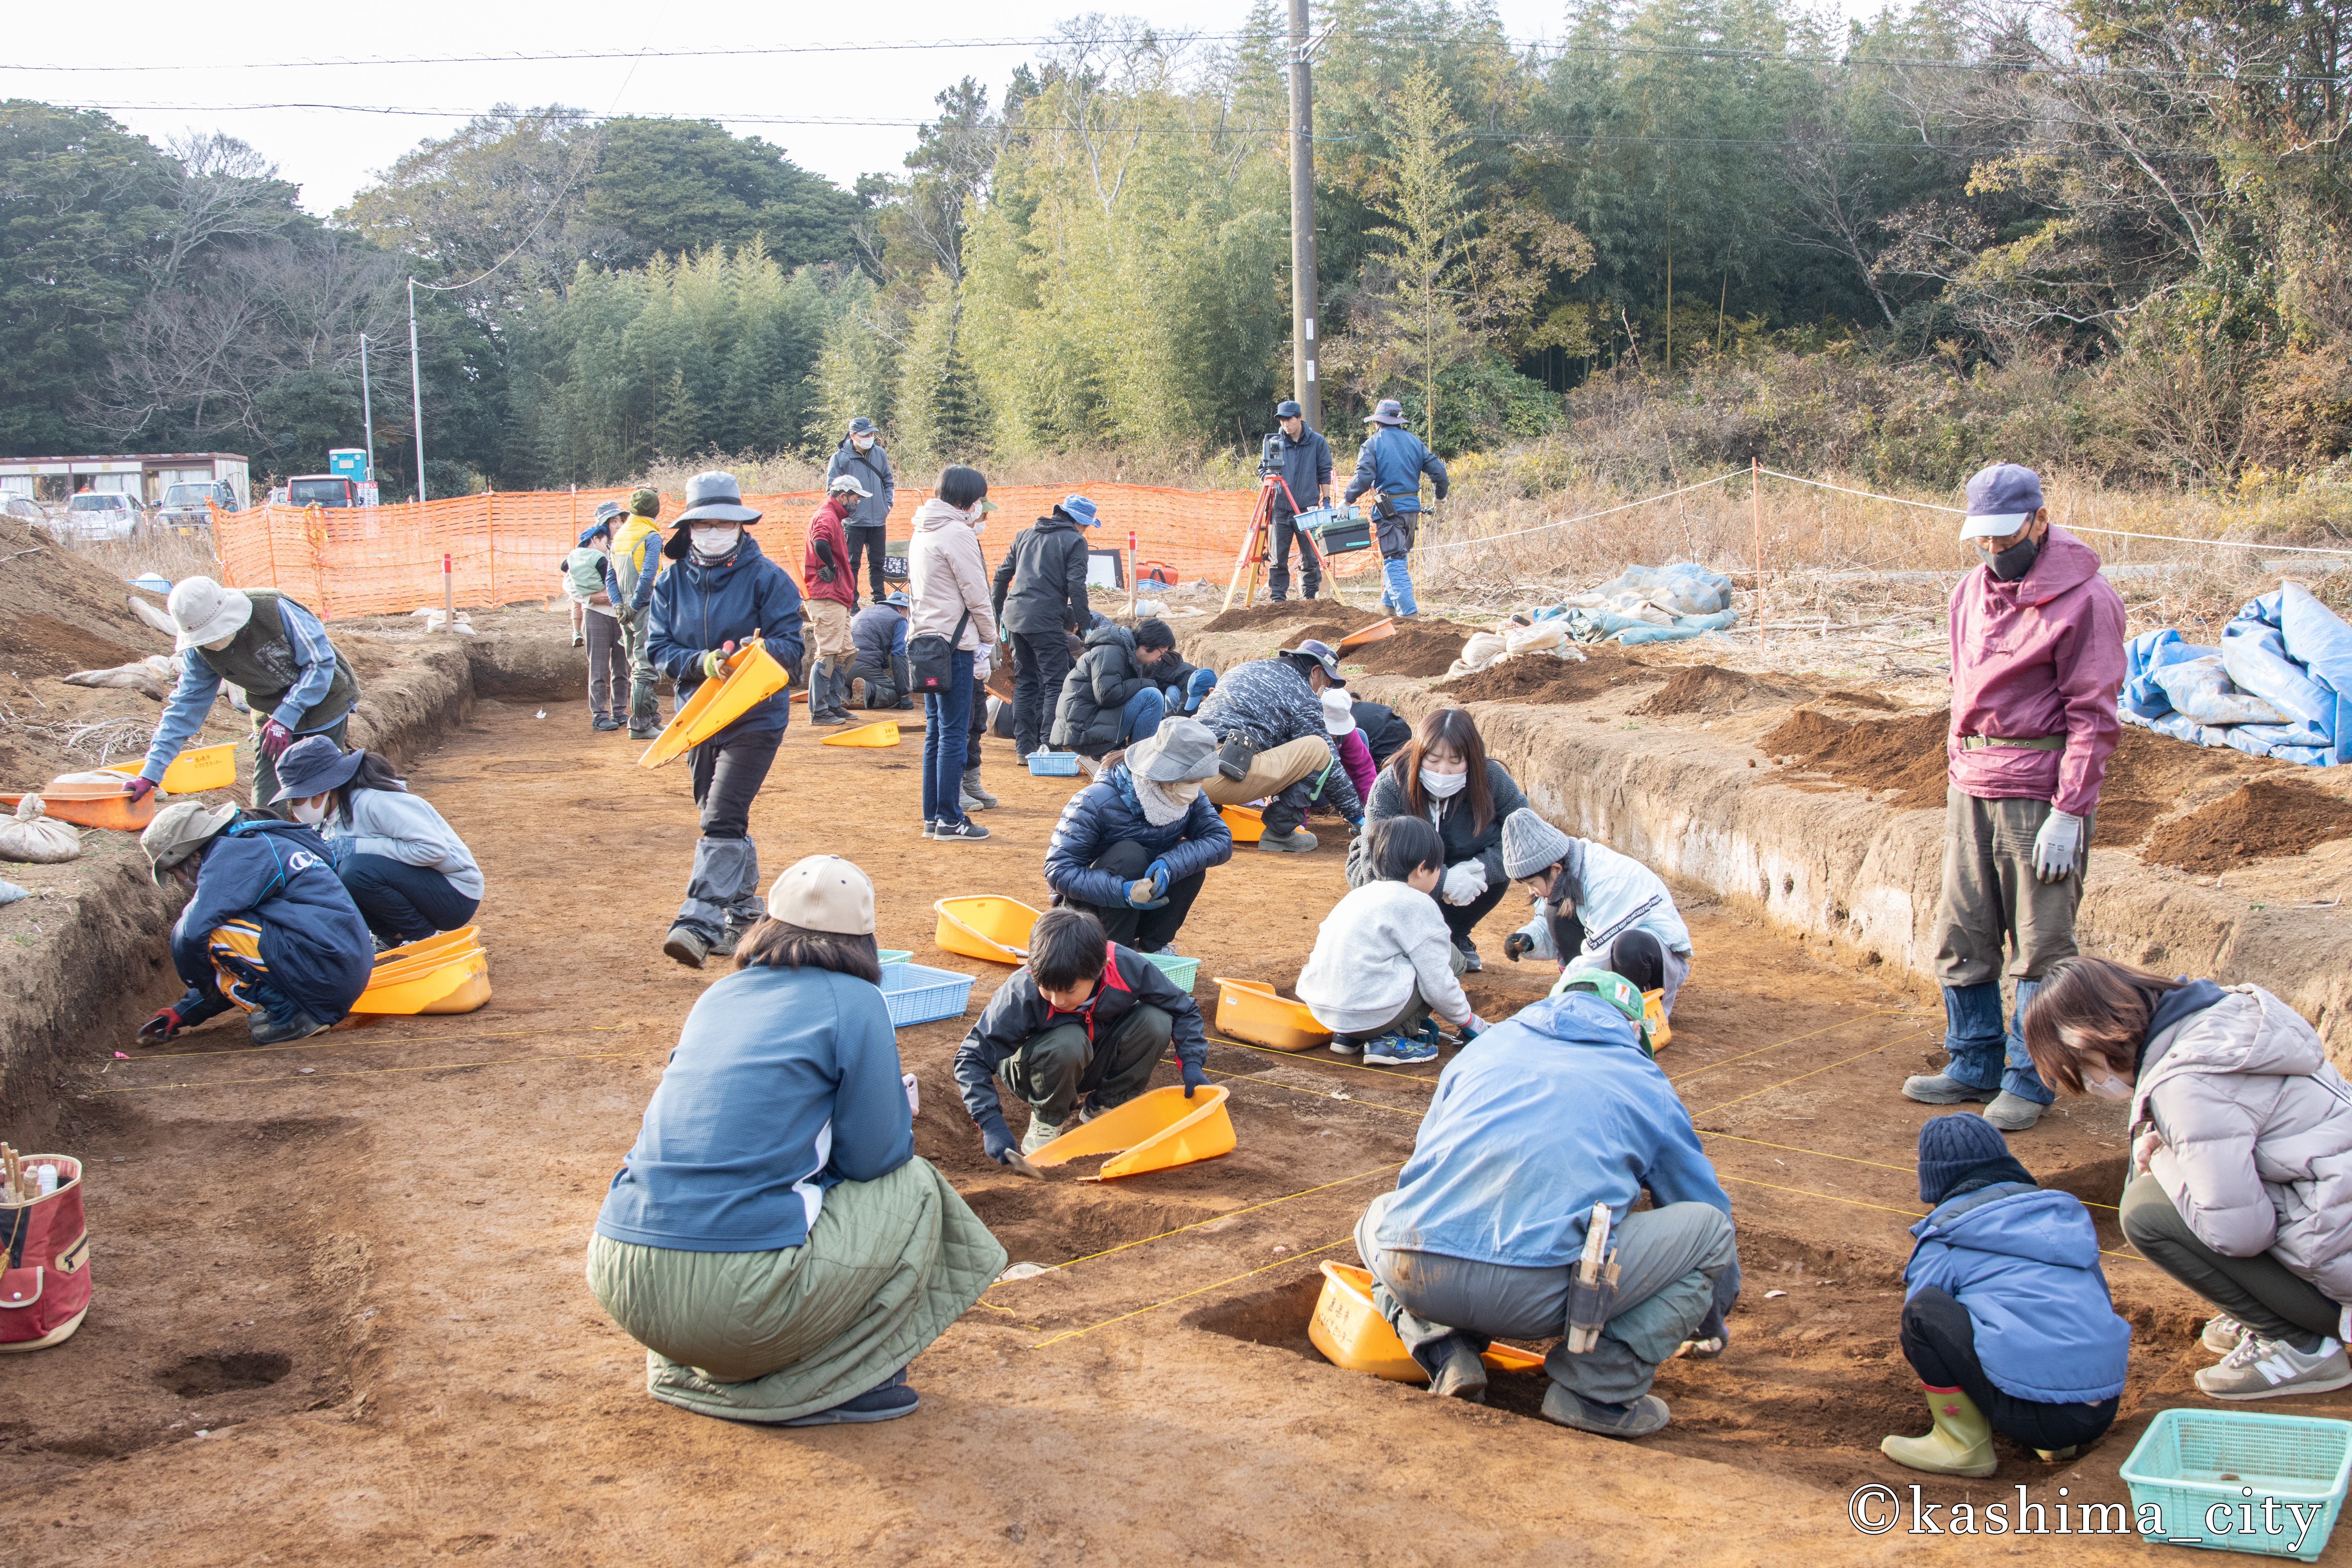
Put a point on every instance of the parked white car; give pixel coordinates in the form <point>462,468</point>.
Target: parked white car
<point>23,509</point>
<point>100,514</point>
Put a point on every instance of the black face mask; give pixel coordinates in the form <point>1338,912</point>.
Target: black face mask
<point>2016,561</point>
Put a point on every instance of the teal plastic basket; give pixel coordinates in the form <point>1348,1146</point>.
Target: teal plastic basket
<point>1181,972</point>
<point>918,993</point>
<point>1054,764</point>
<point>2208,1471</point>
<point>887,957</point>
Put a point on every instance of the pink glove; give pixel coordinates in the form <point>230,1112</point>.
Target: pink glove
<point>140,789</point>
<point>275,739</point>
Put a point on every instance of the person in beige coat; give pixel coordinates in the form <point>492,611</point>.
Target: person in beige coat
<point>2241,1158</point>
<point>949,579</point>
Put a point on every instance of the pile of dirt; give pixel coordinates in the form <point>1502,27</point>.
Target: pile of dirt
<point>1712,690</point>
<point>1420,648</point>
<point>2262,819</point>
<point>65,612</point>
<point>1332,612</point>
<point>1540,677</point>
<point>2151,774</point>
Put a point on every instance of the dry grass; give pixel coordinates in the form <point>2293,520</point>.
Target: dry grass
<point>786,472</point>
<point>171,555</point>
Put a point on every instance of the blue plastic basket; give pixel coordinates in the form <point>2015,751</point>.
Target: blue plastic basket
<point>918,993</point>
<point>1180,971</point>
<point>2190,1462</point>
<point>887,957</point>
<point>1054,764</point>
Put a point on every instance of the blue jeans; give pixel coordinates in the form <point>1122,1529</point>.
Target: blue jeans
<point>1398,586</point>
<point>1140,718</point>
<point>946,716</point>
<point>401,902</point>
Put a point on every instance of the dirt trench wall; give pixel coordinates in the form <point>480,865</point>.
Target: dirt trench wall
<point>1832,864</point>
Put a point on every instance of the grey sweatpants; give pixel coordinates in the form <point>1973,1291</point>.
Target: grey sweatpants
<point>1676,1266</point>
<point>608,664</point>
<point>1992,898</point>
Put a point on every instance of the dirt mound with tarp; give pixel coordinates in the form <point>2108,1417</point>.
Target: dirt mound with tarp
<point>1713,691</point>
<point>2259,820</point>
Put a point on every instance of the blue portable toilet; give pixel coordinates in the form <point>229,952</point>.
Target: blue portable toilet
<point>350,463</point>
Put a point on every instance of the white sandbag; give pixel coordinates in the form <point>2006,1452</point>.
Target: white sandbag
<point>2201,689</point>
<point>1531,639</point>
<point>37,839</point>
<point>1481,649</point>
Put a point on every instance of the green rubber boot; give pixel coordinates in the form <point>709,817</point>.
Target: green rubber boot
<point>1959,1445</point>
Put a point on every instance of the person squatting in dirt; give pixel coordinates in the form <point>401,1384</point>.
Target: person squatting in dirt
<point>1444,775</point>
<point>1389,465</point>
<point>1038,595</point>
<point>832,591</point>
<point>2241,1183</point>
<point>268,926</point>
<point>1540,1118</point>
<point>1596,907</point>
<point>1075,1032</point>
<point>2037,638</point>
<point>1116,693</point>
<point>722,592</point>
<point>271,648</point>
<point>2006,1316</point>
<point>877,674</point>
<point>772,1239</point>
<point>588,584</point>
<point>636,564</point>
<point>402,863</point>
<point>1384,959</point>
<point>1134,848</point>
<point>1276,746</point>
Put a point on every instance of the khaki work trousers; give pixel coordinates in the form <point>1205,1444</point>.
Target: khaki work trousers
<point>1992,898</point>
<point>1271,771</point>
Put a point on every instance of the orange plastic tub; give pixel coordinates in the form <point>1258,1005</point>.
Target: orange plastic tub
<point>1350,1332</point>
<point>1251,1010</point>
<point>1153,1132</point>
<point>1246,822</point>
<point>1654,1020</point>
<point>994,929</point>
<point>87,805</point>
<point>752,677</point>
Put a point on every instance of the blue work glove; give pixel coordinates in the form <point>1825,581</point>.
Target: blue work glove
<point>995,1138</point>
<point>1142,895</point>
<point>1161,875</point>
<point>1194,1077</point>
<point>1355,825</point>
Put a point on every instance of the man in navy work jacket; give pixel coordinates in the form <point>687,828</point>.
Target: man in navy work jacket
<point>1305,484</point>
<point>1390,464</point>
<point>721,594</point>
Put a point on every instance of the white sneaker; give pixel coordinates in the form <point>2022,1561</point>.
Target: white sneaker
<point>2272,1369</point>
<point>2222,1333</point>
<point>1041,1133</point>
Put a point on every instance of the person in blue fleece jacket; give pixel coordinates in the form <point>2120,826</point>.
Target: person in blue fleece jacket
<point>2007,1319</point>
<point>1537,1120</point>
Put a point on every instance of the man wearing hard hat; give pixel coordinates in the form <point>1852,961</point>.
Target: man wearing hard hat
<point>276,652</point>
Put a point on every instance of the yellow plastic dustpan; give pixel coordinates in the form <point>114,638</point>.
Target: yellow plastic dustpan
<point>752,677</point>
<point>884,733</point>
<point>1247,823</point>
<point>1249,1010</point>
<point>459,985</point>
<point>994,929</point>
<point>1654,1019</point>
<point>1373,632</point>
<point>194,771</point>
<point>1157,1130</point>
<point>1350,1332</point>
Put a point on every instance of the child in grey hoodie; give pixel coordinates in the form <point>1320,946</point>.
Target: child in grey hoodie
<point>1383,959</point>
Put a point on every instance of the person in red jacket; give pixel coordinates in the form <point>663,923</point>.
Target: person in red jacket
<point>830,592</point>
<point>2037,661</point>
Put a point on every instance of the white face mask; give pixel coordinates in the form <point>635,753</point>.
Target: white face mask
<point>1182,790</point>
<point>1444,785</point>
<point>309,813</point>
<point>713,543</point>
<point>2106,1085</point>
<point>862,443</point>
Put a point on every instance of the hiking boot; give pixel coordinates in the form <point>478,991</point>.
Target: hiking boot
<point>2013,1112</point>
<point>885,1403</point>
<point>1959,1444</point>
<point>605,721</point>
<point>638,731</point>
<point>1297,841</point>
<point>2222,1334</point>
<point>1463,1376</point>
<point>1635,1418</point>
<point>1341,1046</point>
<point>968,832</point>
<point>1470,957</point>
<point>972,791</point>
<point>1397,1051</point>
<point>1943,1089</point>
<point>2272,1369</point>
<point>276,1028</point>
<point>1041,1133</point>
<point>687,945</point>
<point>731,937</point>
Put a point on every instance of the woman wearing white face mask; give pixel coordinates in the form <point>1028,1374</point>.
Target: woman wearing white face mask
<point>406,869</point>
<point>1133,848</point>
<point>2241,1158</point>
<point>1443,776</point>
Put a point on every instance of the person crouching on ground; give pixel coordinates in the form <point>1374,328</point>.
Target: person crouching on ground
<point>1595,906</point>
<point>1075,1032</point>
<point>266,914</point>
<point>720,593</point>
<point>1268,717</point>
<point>1355,753</point>
<point>403,866</point>
<point>1446,776</point>
<point>1383,961</point>
<point>1112,696</point>
<point>1541,1117</point>
<point>832,594</point>
<point>2241,1158</point>
<point>878,632</point>
<point>772,1239</point>
<point>2007,1319</point>
<point>1134,848</point>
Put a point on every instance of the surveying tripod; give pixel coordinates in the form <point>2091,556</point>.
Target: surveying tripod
<point>1257,539</point>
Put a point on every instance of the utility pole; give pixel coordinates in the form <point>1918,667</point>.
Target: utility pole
<point>416,390</point>
<point>1303,383</point>
<point>367,408</point>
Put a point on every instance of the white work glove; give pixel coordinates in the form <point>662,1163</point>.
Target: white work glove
<point>2056,846</point>
<point>1463,882</point>
<point>2144,1148</point>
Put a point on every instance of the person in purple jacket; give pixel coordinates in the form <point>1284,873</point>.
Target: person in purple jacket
<point>2037,661</point>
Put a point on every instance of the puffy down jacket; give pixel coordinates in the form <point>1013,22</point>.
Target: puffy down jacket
<point>1099,685</point>
<point>1105,813</point>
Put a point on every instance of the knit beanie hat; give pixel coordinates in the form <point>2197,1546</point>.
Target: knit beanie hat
<point>1952,1146</point>
<point>1530,844</point>
<point>645,503</point>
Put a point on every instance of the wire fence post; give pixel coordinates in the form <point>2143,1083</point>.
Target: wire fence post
<point>1756,511</point>
<point>491,500</point>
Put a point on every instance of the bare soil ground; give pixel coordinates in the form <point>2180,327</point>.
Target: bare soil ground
<point>340,1317</point>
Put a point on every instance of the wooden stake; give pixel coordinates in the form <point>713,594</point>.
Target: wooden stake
<point>1130,575</point>
<point>1756,510</point>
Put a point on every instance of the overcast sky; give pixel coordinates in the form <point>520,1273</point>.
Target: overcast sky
<point>216,57</point>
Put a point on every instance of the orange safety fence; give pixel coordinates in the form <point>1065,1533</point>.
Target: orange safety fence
<point>505,547</point>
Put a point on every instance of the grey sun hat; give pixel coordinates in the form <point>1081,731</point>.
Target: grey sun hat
<point>1322,654</point>
<point>178,831</point>
<point>1387,411</point>
<point>1530,844</point>
<point>846,481</point>
<point>1182,750</point>
<point>313,767</point>
<point>715,497</point>
<point>2003,499</point>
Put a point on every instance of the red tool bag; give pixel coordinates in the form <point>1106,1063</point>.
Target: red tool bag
<point>44,1290</point>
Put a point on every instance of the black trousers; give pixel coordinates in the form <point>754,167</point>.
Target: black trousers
<point>728,773</point>
<point>977,733</point>
<point>1939,1340</point>
<point>1146,930</point>
<point>1460,920</point>
<point>1310,565</point>
<point>863,538</point>
<point>885,687</point>
<point>1039,661</point>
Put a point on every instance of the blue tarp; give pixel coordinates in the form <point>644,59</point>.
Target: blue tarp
<point>2285,649</point>
<point>1698,600</point>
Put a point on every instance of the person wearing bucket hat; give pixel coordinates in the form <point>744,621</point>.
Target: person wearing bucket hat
<point>723,595</point>
<point>1134,848</point>
<point>589,584</point>
<point>1305,476</point>
<point>401,861</point>
<point>877,634</point>
<point>1274,741</point>
<point>772,1238</point>
<point>1390,466</point>
<point>861,457</point>
<point>635,562</point>
<point>1593,906</point>
<point>829,595</point>
<point>268,926</point>
<point>2037,645</point>
<point>1039,595</point>
<point>294,679</point>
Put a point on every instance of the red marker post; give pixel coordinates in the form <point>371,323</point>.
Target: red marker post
<point>448,594</point>
<point>1130,571</point>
